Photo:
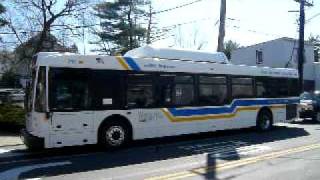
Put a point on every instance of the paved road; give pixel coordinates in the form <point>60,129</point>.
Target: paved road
<point>290,151</point>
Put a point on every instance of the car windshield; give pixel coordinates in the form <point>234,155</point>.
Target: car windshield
<point>306,96</point>
<point>316,96</point>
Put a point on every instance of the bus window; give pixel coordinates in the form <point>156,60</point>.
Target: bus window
<point>69,89</point>
<point>165,90</point>
<point>106,87</point>
<point>40,100</point>
<point>242,87</point>
<point>261,89</point>
<point>212,90</point>
<point>184,90</point>
<point>140,91</point>
<point>272,87</point>
<point>293,87</point>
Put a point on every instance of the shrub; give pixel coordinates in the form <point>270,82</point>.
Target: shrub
<point>12,114</point>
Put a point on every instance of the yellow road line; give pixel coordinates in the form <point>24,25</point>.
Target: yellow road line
<point>234,164</point>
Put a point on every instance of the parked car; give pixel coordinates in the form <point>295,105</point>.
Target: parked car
<point>309,106</point>
<point>17,95</point>
<point>11,95</point>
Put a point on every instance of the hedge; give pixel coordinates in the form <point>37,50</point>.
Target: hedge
<point>12,114</point>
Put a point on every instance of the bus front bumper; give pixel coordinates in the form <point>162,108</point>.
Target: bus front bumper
<point>31,141</point>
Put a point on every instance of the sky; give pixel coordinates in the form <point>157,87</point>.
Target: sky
<point>248,21</point>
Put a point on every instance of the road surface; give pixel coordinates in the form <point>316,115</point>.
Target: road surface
<point>290,151</point>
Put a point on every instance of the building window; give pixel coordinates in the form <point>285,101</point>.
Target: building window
<point>259,57</point>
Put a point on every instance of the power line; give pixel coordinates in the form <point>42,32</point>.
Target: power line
<point>314,16</point>
<point>256,32</point>
<point>177,7</point>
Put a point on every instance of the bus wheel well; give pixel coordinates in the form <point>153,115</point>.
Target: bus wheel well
<point>265,110</point>
<point>118,119</point>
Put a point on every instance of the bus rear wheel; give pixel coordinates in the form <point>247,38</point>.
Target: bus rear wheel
<point>113,135</point>
<point>264,121</point>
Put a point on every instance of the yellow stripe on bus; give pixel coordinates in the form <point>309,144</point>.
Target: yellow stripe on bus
<point>209,117</point>
<point>122,63</point>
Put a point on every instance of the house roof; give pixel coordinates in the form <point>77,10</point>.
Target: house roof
<point>278,39</point>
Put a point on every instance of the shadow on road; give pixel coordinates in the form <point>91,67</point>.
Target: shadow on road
<point>218,145</point>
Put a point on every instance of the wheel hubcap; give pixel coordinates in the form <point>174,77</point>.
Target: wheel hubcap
<point>115,135</point>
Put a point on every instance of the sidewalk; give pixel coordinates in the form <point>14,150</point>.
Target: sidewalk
<point>9,139</point>
<point>9,135</point>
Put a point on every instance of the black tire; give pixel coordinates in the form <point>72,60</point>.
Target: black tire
<point>264,121</point>
<point>316,117</point>
<point>114,135</point>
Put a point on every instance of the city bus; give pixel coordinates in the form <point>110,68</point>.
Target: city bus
<point>77,99</point>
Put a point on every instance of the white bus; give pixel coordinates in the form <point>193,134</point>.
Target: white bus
<point>77,100</point>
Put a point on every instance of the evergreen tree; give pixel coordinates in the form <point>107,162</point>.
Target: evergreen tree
<point>121,28</point>
<point>230,46</point>
<point>315,40</point>
<point>2,10</point>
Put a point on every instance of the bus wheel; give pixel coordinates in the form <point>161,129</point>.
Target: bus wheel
<point>113,135</point>
<point>264,121</point>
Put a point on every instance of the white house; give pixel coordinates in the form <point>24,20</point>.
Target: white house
<point>280,53</point>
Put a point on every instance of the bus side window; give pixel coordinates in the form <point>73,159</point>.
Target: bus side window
<point>212,90</point>
<point>140,91</point>
<point>273,87</point>
<point>106,88</point>
<point>242,87</point>
<point>184,90</point>
<point>69,89</point>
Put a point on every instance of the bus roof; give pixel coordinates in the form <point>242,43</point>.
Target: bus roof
<point>70,60</point>
<point>178,54</point>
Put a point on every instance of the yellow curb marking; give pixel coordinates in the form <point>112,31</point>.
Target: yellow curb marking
<point>234,164</point>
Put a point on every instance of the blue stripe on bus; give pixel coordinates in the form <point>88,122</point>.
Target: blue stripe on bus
<point>230,108</point>
<point>132,63</point>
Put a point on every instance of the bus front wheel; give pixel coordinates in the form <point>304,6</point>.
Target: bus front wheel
<point>264,120</point>
<point>113,135</point>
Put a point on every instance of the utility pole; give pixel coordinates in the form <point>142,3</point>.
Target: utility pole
<point>223,8</point>
<point>301,59</point>
<point>83,35</point>
<point>149,25</point>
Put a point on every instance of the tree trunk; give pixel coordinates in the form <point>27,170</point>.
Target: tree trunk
<point>130,27</point>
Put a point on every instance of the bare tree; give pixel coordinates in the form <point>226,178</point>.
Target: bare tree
<point>45,13</point>
<point>191,40</point>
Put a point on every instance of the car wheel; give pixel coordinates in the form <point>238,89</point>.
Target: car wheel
<point>317,117</point>
<point>264,121</point>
